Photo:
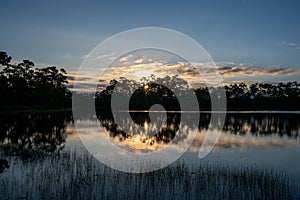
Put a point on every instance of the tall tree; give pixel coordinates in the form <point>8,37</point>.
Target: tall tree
<point>24,85</point>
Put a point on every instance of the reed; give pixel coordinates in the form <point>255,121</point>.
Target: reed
<point>74,175</point>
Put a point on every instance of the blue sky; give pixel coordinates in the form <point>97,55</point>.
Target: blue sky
<point>259,33</point>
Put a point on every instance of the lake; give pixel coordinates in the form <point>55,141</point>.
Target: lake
<point>256,156</point>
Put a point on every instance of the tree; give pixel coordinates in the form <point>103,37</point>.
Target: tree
<point>24,85</point>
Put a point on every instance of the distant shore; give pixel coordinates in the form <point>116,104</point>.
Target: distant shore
<point>26,109</point>
<point>37,109</point>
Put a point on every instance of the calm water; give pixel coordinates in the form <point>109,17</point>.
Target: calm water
<point>42,157</point>
<point>259,139</point>
<point>265,140</point>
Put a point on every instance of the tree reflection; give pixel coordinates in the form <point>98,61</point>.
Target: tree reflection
<point>263,124</point>
<point>148,93</point>
<point>3,165</point>
<point>29,135</point>
<point>267,124</point>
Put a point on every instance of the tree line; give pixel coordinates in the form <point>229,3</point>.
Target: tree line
<point>256,96</point>
<point>24,85</point>
<point>147,92</point>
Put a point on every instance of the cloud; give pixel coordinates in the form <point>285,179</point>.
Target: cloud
<point>126,58</point>
<point>110,56</point>
<point>239,142</point>
<point>237,69</point>
<point>85,81</point>
<point>291,44</point>
<point>139,61</point>
<point>85,56</point>
<point>192,72</point>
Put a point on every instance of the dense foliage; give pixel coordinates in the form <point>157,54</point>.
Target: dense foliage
<point>257,96</point>
<point>23,85</point>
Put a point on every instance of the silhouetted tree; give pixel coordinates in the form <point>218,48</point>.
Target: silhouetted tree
<point>24,85</point>
<point>256,96</point>
<point>143,94</point>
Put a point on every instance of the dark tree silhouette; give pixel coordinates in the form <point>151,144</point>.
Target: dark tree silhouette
<point>23,85</point>
<point>147,93</point>
<point>263,96</point>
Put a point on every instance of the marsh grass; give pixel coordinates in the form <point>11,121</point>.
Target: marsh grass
<point>73,175</point>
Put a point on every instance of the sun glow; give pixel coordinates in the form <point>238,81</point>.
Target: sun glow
<point>146,124</point>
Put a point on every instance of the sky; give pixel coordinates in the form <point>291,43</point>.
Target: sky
<point>248,34</point>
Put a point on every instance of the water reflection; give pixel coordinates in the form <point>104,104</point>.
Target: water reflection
<point>242,124</point>
<point>27,135</point>
<point>139,123</point>
<point>240,130</point>
<point>160,129</point>
<point>283,125</point>
<point>30,134</point>
<point>3,165</point>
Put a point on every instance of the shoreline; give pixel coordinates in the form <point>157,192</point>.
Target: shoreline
<point>16,110</point>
